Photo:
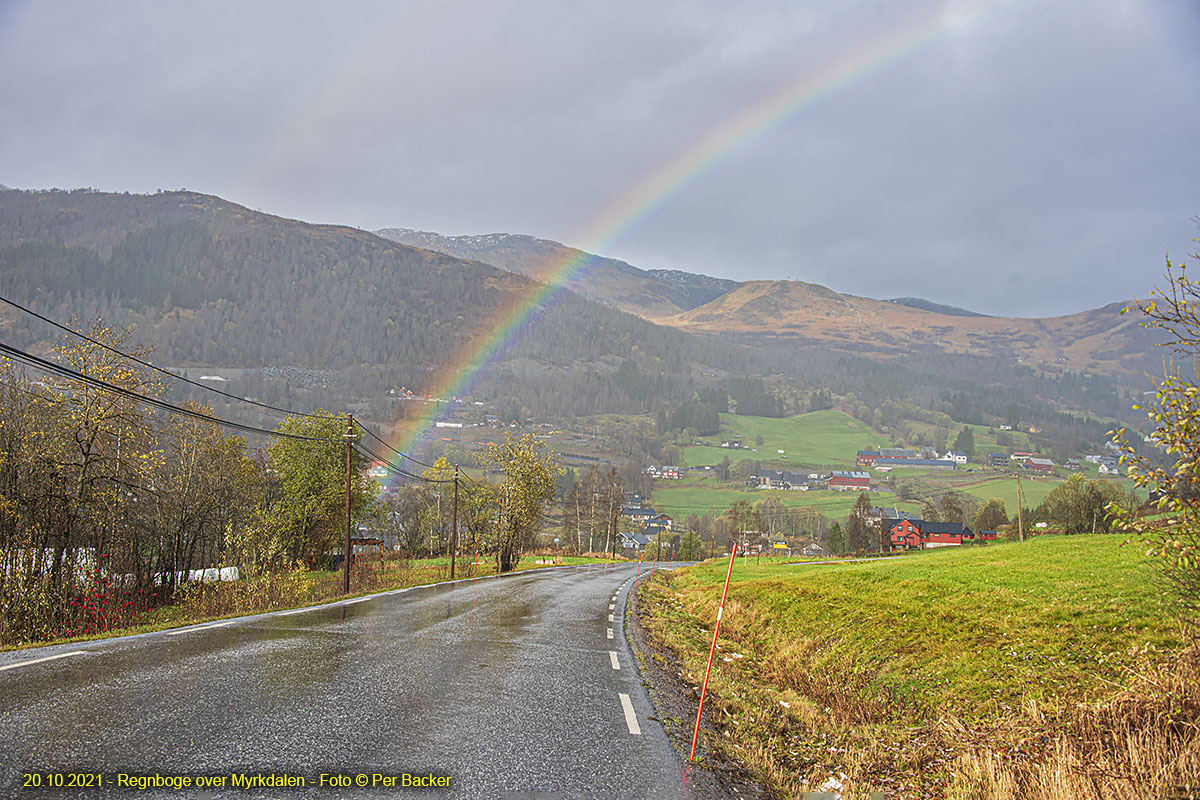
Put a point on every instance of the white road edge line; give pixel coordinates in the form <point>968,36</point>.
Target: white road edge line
<point>630,717</point>
<point>201,628</point>
<point>612,656</point>
<point>610,616</point>
<point>610,633</point>
<point>40,660</point>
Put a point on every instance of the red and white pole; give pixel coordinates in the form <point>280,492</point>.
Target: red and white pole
<point>712,650</point>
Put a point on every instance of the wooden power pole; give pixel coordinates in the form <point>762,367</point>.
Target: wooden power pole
<point>1020,502</point>
<point>454,525</point>
<point>349,553</point>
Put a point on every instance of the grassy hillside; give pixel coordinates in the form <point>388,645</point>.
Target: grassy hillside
<point>819,440</point>
<point>934,674</point>
<point>705,495</point>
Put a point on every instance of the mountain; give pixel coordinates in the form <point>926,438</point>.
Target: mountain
<point>646,293</point>
<point>341,313</point>
<point>307,316</point>
<point>929,305</point>
<point>1098,341</point>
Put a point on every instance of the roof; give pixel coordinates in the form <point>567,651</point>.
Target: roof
<point>915,462</point>
<point>636,537</point>
<point>944,527</point>
<point>856,475</point>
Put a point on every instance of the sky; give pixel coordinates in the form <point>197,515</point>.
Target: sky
<point>1013,157</point>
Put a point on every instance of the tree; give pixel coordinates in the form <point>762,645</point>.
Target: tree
<point>690,547</point>
<point>990,516</point>
<point>723,468</point>
<point>858,526</point>
<point>527,484</point>
<point>307,521</point>
<point>965,442</point>
<point>1172,473</point>
<point>837,540</point>
<point>1078,505</point>
<point>950,508</point>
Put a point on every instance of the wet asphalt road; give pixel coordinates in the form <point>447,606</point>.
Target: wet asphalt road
<point>511,687</point>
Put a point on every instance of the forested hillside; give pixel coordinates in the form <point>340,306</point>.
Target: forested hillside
<point>307,315</point>
<point>207,282</point>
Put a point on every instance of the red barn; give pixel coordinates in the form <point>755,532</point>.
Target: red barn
<point>850,481</point>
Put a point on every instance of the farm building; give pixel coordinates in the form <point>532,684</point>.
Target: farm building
<point>850,481</point>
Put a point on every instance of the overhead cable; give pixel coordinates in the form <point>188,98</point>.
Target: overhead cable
<point>67,372</point>
<point>148,365</point>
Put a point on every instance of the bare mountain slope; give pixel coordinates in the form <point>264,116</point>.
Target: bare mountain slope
<point>1099,340</point>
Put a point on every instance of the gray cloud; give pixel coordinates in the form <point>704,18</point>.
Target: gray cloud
<point>1026,159</point>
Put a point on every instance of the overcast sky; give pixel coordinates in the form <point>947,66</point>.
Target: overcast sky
<point>1018,158</point>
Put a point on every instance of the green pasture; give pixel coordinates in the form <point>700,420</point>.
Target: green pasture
<point>708,495</point>
<point>817,440</point>
<point>976,629</point>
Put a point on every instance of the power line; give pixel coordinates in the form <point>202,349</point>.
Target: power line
<point>67,372</point>
<point>148,365</point>
<point>364,451</point>
<point>404,455</point>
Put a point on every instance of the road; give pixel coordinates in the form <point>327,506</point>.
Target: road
<point>510,687</point>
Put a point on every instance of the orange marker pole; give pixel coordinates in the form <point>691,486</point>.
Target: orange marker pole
<point>712,650</point>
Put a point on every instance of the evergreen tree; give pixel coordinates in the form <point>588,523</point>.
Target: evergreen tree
<point>836,540</point>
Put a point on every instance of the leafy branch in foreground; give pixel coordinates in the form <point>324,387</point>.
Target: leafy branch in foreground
<point>1172,473</point>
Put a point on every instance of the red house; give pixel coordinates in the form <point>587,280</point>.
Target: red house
<point>918,534</point>
<point>866,458</point>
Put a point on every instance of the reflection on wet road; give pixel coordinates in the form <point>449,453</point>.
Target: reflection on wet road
<point>509,686</point>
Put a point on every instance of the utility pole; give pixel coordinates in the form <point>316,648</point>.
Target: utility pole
<point>348,554</point>
<point>454,525</point>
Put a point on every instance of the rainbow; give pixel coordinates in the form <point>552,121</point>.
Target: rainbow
<point>467,365</point>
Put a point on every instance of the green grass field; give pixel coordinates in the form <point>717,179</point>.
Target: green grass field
<point>818,440</point>
<point>859,657</point>
<point>707,495</point>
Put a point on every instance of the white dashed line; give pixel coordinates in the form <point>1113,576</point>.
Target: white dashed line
<point>630,717</point>
<point>40,660</point>
<point>612,656</point>
<point>610,633</point>
<point>294,611</point>
<point>611,606</point>
<point>359,600</point>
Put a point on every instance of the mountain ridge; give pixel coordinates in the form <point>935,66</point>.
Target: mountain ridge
<point>645,293</point>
